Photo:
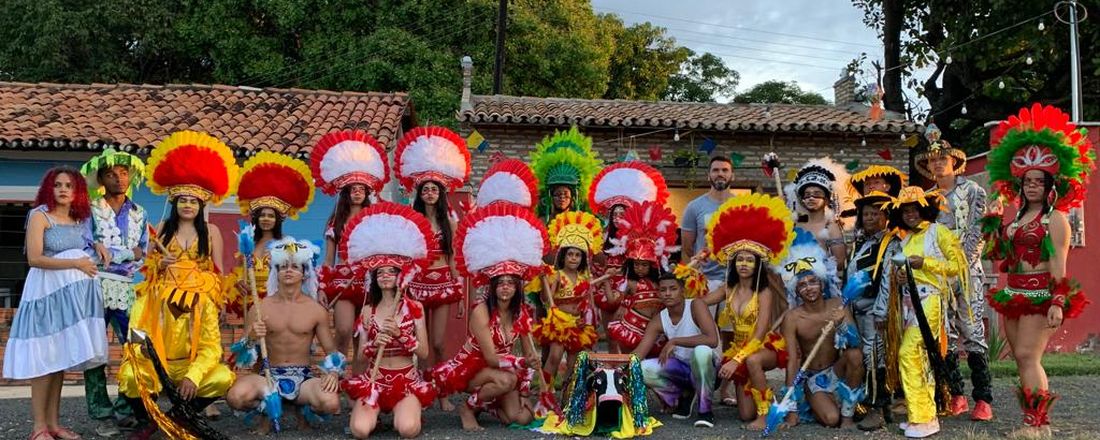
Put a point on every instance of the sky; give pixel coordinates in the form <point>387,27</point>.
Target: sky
<point>807,41</point>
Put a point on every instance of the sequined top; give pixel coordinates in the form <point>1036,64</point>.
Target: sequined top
<point>568,290</point>
<point>743,323</point>
<point>502,342</point>
<point>1027,241</point>
<point>405,343</point>
<point>644,299</point>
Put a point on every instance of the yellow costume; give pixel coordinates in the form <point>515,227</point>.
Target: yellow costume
<point>943,262</point>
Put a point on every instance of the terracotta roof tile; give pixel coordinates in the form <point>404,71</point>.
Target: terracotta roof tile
<point>498,109</point>
<point>58,116</point>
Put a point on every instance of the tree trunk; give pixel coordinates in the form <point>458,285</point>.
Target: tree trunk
<point>893,12</point>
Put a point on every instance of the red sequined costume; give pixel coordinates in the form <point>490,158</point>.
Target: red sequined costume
<point>436,286</point>
<point>454,376</point>
<point>1031,293</point>
<point>393,384</point>
<point>639,308</point>
<point>600,298</point>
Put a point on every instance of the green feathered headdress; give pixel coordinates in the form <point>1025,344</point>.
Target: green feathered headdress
<point>111,158</point>
<point>1041,138</point>
<point>564,158</point>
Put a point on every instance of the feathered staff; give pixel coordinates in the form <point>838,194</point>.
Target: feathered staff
<point>547,402</point>
<point>272,404</point>
<point>778,411</point>
<point>372,399</point>
<point>771,166</point>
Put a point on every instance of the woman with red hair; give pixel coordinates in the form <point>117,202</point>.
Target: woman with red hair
<point>59,324</point>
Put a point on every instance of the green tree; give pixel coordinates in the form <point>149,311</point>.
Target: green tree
<point>988,46</point>
<point>778,92</point>
<point>701,78</point>
<point>558,48</point>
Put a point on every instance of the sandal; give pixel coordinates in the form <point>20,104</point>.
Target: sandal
<point>41,434</point>
<point>729,401</point>
<point>64,433</point>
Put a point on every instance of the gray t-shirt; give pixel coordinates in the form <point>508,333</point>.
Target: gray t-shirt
<point>695,218</point>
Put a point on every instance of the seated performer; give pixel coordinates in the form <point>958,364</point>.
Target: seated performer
<point>292,317</point>
<point>502,246</point>
<point>834,377</point>
<point>748,234</point>
<point>392,328</point>
<point>178,304</point>
<point>647,236</point>
<point>685,368</point>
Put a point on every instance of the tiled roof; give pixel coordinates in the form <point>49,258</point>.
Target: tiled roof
<point>499,109</point>
<point>134,117</point>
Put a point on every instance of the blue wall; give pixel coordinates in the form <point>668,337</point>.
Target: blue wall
<point>310,224</point>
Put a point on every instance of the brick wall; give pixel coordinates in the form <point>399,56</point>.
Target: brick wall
<point>794,149</point>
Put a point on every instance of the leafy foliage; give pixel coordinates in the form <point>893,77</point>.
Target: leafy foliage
<point>557,48</point>
<point>779,92</point>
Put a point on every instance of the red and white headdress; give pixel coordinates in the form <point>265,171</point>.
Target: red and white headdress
<point>626,183</point>
<point>276,181</point>
<point>510,181</point>
<point>190,163</point>
<point>388,234</point>
<point>646,232</point>
<point>345,157</point>
<point>431,154</point>
<point>500,239</point>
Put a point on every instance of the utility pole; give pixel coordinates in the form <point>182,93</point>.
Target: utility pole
<point>498,66</point>
<point>1074,57</point>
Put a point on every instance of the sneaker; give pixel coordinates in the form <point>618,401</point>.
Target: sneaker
<point>106,428</point>
<point>922,430</point>
<point>705,420</point>
<point>983,412</point>
<point>958,405</point>
<point>683,408</point>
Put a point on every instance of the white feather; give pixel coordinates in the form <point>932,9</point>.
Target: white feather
<point>386,234</point>
<point>433,153</point>
<point>502,238</point>
<point>503,186</point>
<point>628,182</point>
<point>350,157</point>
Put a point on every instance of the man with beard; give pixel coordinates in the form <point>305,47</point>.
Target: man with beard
<point>118,228</point>
<point>693,224</point>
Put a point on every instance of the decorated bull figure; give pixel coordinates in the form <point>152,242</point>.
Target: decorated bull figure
<point>606,397</point>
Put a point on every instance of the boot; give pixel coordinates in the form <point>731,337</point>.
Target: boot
<point>983,387</point>
<point>1036,406</point>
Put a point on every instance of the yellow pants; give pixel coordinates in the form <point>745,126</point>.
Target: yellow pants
<point>917,378</point>
<point>215,384</point>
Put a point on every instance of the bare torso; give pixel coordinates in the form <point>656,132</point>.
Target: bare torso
<point>291,327</point>
<point>808,324</point>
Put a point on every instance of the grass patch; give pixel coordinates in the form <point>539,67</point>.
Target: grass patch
<point>1058,364</point>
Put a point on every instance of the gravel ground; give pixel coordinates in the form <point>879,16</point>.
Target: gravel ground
<point>1074,417</point>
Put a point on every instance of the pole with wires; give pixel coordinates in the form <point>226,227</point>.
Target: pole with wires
<point>498,66</point>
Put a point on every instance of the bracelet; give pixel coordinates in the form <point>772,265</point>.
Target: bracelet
<point>335,362</point>
<point>1058,301</point>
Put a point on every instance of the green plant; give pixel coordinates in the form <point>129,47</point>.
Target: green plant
<point>997,342</point>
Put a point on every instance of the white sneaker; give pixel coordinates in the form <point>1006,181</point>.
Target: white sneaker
<point>106,428</point>
<point>922,430</point>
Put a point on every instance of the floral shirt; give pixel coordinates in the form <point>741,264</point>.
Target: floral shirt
<point>120,233</point>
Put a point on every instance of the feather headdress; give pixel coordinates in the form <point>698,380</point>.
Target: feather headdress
<point>431,154</point>
<point>756,223</point>
<point>193,164</point>
<point>827,174</point>
<point>565,158</point>
<point>345,157</point>
<point>388,234</point>
<point>579,230</point>
<point>301,253</point>
<point>647,232</point>
<point>626,183</point>
<point>110,158</point>
<point>807,257</point>
<point>501,239</point>
<point>510,181</point>
<point>276,181</point>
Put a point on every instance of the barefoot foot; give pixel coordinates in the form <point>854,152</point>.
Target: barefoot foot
<point>758,424</point>
<point>469,418</point>
<point>446,405</point>
<point>847,424</point>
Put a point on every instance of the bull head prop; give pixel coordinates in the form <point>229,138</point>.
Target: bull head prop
<point>607,397</point>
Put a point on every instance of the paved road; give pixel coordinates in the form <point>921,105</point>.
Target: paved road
<point>1076,416</point>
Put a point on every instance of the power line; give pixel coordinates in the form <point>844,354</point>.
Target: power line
<point>740,28</point>
<point>751,40</point>
<point>757,50</point>
<point>815,66</point>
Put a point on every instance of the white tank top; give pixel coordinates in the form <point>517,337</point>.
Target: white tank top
<point>685,328</point>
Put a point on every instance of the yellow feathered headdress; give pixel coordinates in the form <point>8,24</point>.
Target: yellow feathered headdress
<point>276,181</point>
<point>193,164</point>
<point>576,229</point>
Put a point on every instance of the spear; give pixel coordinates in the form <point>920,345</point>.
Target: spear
<point>272,403</point>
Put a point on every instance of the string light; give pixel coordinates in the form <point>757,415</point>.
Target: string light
<point>964,109</point>
<point>863,142</point>
<point>1001,84</point>
<point>948,60</point>
<point>676,136</point>
<point>1029,60</point>
<point>1042,27</point>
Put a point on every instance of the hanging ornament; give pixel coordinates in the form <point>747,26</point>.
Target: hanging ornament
<point>964,109</point>
<point>1042,26</point>
<point>631,155</point>
<point>886,154</point>
<point>948,60</point>
<point>737,158</point>
<point>497,156</point>
<point>852,165</point>
<point>1029,60</point>
<point>655,153</point>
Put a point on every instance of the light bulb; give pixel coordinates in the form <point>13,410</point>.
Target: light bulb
<point>863,142</point>
<point>676,136</point>
<point>1001,84</point>
<point>948,60</point>
<point>841,152</point>
<point>1029,60</point>
<point>903,136</point>
<point>1042,26</point>
<point>964,109</point>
